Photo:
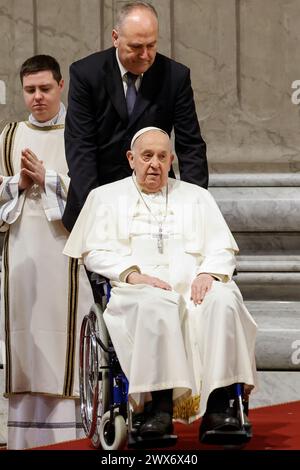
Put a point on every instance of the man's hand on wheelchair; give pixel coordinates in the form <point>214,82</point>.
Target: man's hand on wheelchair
<point>200,286</point>
<point>139,278</point>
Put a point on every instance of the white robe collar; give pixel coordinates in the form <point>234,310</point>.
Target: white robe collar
<point>59,118</point>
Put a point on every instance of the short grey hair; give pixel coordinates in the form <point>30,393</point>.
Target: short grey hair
<point>129,7</point>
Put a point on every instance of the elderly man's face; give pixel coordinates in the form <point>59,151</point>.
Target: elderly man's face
<point>151,159</point>
<point>136,40</point>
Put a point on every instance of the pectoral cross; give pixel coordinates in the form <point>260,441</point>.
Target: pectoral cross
<point>160,239</point>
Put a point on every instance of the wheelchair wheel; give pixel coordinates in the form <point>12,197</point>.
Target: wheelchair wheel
<point>113,434</point>
<point>93,376</point>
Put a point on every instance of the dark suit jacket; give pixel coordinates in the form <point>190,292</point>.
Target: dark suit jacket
<point>98,130</point>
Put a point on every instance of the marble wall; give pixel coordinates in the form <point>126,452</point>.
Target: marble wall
<point>244,56</point>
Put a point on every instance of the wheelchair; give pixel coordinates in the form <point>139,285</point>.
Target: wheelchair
<point>105,410</point>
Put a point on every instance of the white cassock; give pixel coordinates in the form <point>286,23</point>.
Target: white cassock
<point>161,338</point>
<point>44,295</point>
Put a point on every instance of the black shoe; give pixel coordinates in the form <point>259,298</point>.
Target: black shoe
<point>138,419</point>
<point>224,421</point>
<point>157,425</point>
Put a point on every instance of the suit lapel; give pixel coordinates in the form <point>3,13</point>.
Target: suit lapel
<point>148,90</point>
<point>114,86</point>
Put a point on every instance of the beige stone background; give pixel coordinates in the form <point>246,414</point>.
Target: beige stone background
<point>243,54</point>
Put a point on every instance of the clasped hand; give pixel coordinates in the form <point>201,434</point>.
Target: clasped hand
<point>32,170</point>
<point>200,285</point>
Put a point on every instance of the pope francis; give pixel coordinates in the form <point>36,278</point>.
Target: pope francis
<point>177,320</point>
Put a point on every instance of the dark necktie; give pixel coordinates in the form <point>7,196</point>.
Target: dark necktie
<point>131,91</point>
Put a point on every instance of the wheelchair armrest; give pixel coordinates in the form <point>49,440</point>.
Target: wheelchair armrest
<point>103,284</point>
<point>98,279</point>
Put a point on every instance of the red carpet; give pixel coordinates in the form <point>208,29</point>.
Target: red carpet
<point>274,428</point>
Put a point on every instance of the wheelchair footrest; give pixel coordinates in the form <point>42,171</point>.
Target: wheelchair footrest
<point>167,440</point>
<point>225,438</point>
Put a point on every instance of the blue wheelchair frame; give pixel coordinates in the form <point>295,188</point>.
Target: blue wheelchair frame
<point>103,385</point>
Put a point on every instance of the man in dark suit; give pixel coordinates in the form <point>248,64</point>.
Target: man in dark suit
<point>107,106</point>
